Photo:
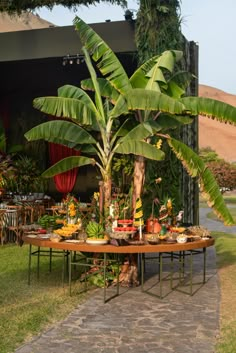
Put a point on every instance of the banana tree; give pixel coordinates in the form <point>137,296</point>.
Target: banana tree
<point>141,95</point>
<point>121,92</point>
<point>90,126</point>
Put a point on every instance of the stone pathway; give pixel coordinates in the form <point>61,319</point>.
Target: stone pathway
<point>212,224</point>
<point>136,322</point>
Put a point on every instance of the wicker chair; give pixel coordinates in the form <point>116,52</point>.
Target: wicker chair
<point>15,219</point>
<point>2,225</point>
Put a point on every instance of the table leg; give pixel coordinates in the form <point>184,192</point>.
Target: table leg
<point>29,265</point>
<point>191,272</point>
<point>38,261</point>
<point>104,276</point>
<point>50,260</point>
<point>142,270</point>
<point>171,270</point>
<point>70,258</point>
<point>204,265</point>
<point>160,274</point>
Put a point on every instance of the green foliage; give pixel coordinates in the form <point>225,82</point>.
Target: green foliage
<point>148,106</point>
<point>208,155</point>
<point>157,28</point>
<point>225,174</point>
<point>223,171</point>
<point>18,6</point>
<point>161,179</point>
<point>7,170</point>
<point>27,176</point>
<point>122,172</point>
<point>208,185</point>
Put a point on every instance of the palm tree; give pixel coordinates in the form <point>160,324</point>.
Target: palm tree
<point>122,93</point>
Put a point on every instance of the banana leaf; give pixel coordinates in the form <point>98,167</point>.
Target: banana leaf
<point>142,131</point>
<point>61,132</point>
<point>167,121</point>
<point>140,148</point>
<point>106,89</point>
<point>66,164</point>
<point>63,107</point>
<point>151,72</point>
<point>210,108</point>
<point>208,185</point>
<point>178,83</point>
<point>106,60</point>
<point>147,100</point>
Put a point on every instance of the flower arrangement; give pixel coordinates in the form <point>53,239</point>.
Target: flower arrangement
<point>72,205</point>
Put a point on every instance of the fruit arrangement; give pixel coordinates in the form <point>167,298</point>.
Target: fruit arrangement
<point>95,230</point>
<point>178,229</point>
<point>47,221</point>
<point>125,229</point>
<point>68,230</point>
<point>125,222</point>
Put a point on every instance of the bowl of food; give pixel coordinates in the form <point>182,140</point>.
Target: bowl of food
<point>182,238</point>
<point>96,241</point>
<point>55,238</point>
<point>152,238</point>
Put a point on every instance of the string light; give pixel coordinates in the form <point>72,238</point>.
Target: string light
<point>73,59</point>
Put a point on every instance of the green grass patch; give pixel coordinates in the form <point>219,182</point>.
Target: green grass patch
<point>226,263</point>
<point>27,310</point>
<point>230,199</point>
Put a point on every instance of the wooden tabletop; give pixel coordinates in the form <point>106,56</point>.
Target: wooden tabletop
<point>137,249</point>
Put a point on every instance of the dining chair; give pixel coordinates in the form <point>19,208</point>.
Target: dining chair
<point>15,219</point>
<point>2,225</point>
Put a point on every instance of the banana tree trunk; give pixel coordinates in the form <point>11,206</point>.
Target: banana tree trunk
<point>139,178</point>
<point>107,194</point>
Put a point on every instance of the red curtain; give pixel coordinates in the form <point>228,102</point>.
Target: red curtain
<point>65,181</point>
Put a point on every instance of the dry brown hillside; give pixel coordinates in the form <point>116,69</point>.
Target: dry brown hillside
<point>220,137</point>
<point>23,22</point>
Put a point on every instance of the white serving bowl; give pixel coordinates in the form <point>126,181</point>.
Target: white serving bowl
<point>181,239</point>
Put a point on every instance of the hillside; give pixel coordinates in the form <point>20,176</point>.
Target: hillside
<point>23,22</point>
<point>220,137</point>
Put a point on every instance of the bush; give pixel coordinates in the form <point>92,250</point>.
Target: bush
<point>225,174</point>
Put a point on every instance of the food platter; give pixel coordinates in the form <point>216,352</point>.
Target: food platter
<point>96,241</point>
<point>125,222</point>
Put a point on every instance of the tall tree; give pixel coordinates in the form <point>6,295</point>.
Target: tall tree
<point>157,28</point>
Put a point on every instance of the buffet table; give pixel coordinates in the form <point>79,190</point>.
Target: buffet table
<point>173,251</point>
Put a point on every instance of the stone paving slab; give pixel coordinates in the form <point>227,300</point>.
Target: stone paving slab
<point>136,322</point>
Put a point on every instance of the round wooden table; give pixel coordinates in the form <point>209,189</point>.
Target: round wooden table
<point>173,250</point>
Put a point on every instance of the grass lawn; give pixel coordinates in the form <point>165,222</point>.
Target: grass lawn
<point>26,310</point>
<point>226,263</point>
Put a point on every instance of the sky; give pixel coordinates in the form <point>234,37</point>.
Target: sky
<point>209,23</point>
